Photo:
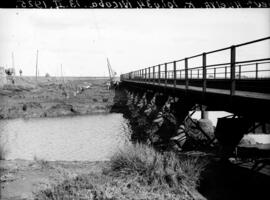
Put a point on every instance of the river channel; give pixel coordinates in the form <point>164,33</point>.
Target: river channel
<point>76,138</point>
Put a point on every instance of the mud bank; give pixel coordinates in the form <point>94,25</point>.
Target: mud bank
<point>52,97</point>
<point>21,179</point>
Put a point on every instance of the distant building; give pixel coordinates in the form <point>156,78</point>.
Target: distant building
<point>3,77</point>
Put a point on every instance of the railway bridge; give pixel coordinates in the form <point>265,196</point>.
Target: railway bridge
<point>235,79</point>
<point>239,85</point>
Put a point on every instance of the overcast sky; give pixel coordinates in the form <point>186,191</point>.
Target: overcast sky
<point>81,40</point>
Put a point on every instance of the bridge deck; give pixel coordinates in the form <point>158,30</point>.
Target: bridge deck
<point>247,94</point>
<point>238,84</point>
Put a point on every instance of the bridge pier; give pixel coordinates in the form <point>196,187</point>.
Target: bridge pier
<point>204,112</point>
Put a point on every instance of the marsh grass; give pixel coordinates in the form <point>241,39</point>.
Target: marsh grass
<point>44,164</point>
<point>2,152</point>
<point>135,172</point>
<point>3,149</point>
<point>158,168</point>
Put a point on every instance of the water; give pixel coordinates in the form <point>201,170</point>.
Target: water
<point>91,138</point>
<point>212,115</point>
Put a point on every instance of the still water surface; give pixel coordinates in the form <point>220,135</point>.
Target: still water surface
<point>91,138</point>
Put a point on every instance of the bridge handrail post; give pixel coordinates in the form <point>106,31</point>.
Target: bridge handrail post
<point>204,71</point>
<point>233,56</point>
<point>145,71</point>
<point>154,80</point>
<point>225,72</point>
<point>240,71</point>
<point>165,74</point>
<point>145,74</point>
<point>149,69</point>
<point>174,74</point>
<point>256,75</point>
<point>186,72</point>
<point>158,74</point>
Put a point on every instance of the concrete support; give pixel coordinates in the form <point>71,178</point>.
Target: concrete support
<point>204,113</point>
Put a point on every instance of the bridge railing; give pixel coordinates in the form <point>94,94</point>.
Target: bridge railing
<point>227,68</point>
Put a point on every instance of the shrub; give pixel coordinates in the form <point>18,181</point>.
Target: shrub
<point>42,162</point>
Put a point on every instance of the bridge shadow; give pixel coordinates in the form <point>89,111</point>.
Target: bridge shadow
<point>224,180</point>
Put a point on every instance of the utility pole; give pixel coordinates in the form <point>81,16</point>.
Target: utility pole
<point>62,74</point>
<point>37,65</point>
<point>13,64</point>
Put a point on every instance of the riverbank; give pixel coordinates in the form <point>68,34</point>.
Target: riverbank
<point>172,172</point>
<point>52,97</point>
<point>21,179</point>
<point>134,172</point>
<point>162,122</point>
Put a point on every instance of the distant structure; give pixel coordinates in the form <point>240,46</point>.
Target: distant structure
<point>20,72</point>
<point>13,64</point>
<point>37,65</point>
<point>113,82</point>
<point>10,72</point>
<point>3,78</point>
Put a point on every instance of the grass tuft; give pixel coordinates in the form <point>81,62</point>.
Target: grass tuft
<point>156,168</point>
<point>136,172</point>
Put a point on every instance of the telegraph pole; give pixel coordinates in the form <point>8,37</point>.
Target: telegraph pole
<point>36,65</point>
<point>62,73</point>
<point>13,64</point>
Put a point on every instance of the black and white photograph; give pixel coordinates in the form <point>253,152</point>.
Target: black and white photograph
<point>118,100</point>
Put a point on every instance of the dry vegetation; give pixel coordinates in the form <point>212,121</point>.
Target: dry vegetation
<point>51,97</point>
<point>136,172</point>
<point>2,152</point>
<point>3,148</point>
